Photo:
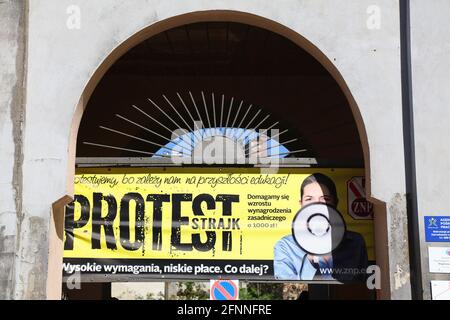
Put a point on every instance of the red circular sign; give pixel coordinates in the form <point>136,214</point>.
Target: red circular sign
<point>362,208</point>
<point>224,290</point>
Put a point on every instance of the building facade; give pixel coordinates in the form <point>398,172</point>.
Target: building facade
<point>389,59</point>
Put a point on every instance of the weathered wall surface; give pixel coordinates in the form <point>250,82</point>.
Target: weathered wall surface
<point>430,41</point>
<point>61,61</point>
<point>12,49</point>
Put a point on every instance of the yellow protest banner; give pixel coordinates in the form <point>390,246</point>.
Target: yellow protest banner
<point>166,220</point>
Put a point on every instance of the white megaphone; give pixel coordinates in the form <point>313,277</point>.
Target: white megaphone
<point>318,228</point>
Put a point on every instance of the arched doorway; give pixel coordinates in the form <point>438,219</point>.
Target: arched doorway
<point>228,61</point>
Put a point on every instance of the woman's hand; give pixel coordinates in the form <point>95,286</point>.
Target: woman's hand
<point>315,259</point>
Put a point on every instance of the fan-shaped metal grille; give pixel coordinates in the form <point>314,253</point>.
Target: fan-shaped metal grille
<point>239,122</point>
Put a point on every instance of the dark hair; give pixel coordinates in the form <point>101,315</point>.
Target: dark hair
<point>322,180</point>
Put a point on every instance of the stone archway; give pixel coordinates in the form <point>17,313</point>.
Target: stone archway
<point>55,257</point>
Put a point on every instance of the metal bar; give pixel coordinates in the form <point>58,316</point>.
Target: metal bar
<point>274,126</point>
<point>182,119</point>
<point>278,134</point>
<point>214,111</point>
<point>254,117</point>
<point>169,117</point>
<point>262,121</point>
<point>248,125</point>
<point>198,113</point>
<point>237,113</point>
<point>273,137</point>
<point>134,137</point>
<point>279,144</point>
<point>229,113</point>
<point>409,150</point>
<point>290,152</point>
<point>149,116</point>
<point>221,110</point>
<point>245,115</point>
<point>206,110</point>
<point>233,129</point>
<point>176,111</point>
<point>166,161</point>
<point>143,112</point>
<point>173,121</point>
<point>142,127</point>
<point>128,161</point>
<point>190,115</point>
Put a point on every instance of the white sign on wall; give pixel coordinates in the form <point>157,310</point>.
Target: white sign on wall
<point>440,290</point>
<point>439,259</point>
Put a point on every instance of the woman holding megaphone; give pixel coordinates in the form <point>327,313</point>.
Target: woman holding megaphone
<point>320,247</point>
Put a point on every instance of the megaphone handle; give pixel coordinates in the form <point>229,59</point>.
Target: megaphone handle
<point>303,263</point>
